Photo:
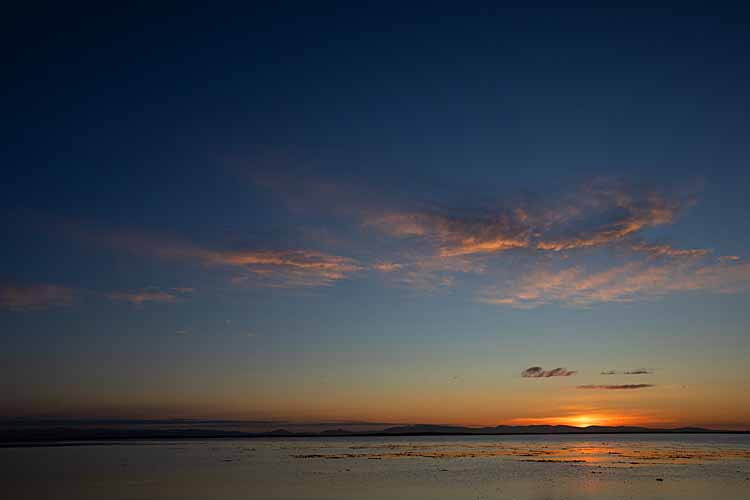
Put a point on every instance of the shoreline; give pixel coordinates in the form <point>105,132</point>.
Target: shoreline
<point>112,438</point>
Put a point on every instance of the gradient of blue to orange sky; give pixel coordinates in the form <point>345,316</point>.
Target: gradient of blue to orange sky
<point>454,214</point>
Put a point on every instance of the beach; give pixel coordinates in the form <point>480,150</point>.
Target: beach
<point>446,467</point>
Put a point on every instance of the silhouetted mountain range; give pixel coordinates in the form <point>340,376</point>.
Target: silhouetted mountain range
<point>11,436</point>
<point>424,429</point>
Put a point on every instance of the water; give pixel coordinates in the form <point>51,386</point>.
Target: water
<point>472,467</point>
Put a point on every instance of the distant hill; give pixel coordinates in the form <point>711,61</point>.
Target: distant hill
<point>423,429</point>
<point>24,436</point>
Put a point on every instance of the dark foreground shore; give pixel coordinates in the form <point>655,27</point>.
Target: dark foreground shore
<point>592,466</point>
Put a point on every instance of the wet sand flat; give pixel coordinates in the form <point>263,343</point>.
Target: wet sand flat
<point>502,467</point>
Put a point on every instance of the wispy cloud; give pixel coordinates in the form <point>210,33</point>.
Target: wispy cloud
<point>150,295</point>
<point>441,244</point>
<point>574,286</point>
<point>624,387</point>
<point>428,273</point>
<point>624,213</point>
<point>434,248</point>
<point>292,267</point>
<point>668,251</point>
<point>539,372</point>
<point>457,236</point>
<point>730,258</point>
<point>638,371</point>
<point>387,267</point>
<point>36,296</point>
<point>598,215</point>
<point>295,267</point>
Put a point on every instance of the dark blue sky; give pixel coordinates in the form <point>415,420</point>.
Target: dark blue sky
<point>369,183</point>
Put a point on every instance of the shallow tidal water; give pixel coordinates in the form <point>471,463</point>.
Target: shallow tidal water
<point>620,467</point>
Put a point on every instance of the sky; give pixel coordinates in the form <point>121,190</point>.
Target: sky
<point>454,214</point>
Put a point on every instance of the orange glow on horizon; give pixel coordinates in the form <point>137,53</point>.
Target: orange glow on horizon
<point>589,419</point>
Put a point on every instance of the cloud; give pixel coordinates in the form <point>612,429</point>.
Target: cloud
<point>437,246</point>
<point>600,213</point>
<point>603,212</point>
<point>616,387</point>
<point>38,296</point>
<point>281,268</point>
<point>597,215</point>
<point>639,371</point>
<point>628,215</point>
<point>290,268</point>
<point>729,258</point>
<point>539,372</point>
<point>631,281</point>
<point>150,295</point>
<point>456,236</point>
<point>668,251</point>
<point>429,249</point>
<point>429,273</point>
<point>386,267</point>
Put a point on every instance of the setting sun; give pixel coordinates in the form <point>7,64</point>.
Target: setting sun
<point>584,421</point>
<point>587,419</point>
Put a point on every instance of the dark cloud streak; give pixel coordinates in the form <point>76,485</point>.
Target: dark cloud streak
<point>639,371</point>
<point>539,372</point>
<point>616,387</point>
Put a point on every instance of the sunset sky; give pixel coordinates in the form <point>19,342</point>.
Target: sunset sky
<point>453,215</point>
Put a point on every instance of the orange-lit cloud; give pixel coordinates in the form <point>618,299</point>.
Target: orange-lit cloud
<point>668,251</point>
<point>150,295</point>
<point>291,268</point>
<point>624,283</point>
<point>615,212</point>
<point>628,212</point>
<point>598,214</point>
<point>730,258</point>
<point>442,244</point>
<point>38,296</point>
<point>431,272</point>
<point>456,236</point>
<point>386,267</point>
<point>433,249</point>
